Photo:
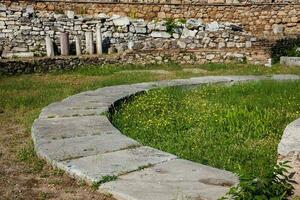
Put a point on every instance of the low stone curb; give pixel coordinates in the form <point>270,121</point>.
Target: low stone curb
<point>75,135</point>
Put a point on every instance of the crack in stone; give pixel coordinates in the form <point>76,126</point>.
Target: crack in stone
<point>217,182</point>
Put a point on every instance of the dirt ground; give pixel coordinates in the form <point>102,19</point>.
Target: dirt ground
<point>19,180</point>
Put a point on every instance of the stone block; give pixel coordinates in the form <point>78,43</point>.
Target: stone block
<point>70,127</point>
<point>63,149</point>
<point>17,54</point>
<point>29,9</point>
<point>94,168</point>
<point>121,21</point>
<point>290,142</point>
<point>186,33</point>
<point>174,179</point>
<point>290,61</point>
<point>213,26</point>
<point>193,24</point>
<point>3,7</point>
<point>142,30</point>
<point>70,14</point>
<point>25,28</point>
<point>157,34</point>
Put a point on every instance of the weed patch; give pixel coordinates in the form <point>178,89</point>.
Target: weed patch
<point>104,179</point>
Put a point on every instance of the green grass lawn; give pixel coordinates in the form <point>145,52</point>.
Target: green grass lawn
<point>236,127</point>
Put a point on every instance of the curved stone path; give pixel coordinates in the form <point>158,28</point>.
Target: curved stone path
<point>75,135</point>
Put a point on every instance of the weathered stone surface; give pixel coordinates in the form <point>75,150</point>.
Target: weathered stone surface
<point>102,16</point>
<point>277,29</point>
<point>139,23</point>
<point>3,7</point>
<point>75,147</point>
<point>93,168</point>
<point>194,81</point>
<point>78,45</point>
<point>49,46</point>
<point>89,44</point>
<point>289,150</point>
<point>157,26</point>
<point>142,30</point>
<point>181,44</point>
<point>213,26</point>
<point>121,21</point>
<point>188,33</point>
<point>157,34</point>
<point>18,55</point>
<point>290,61</point>
<point>283,77</point>
<point>73,109</point>
<point>290,141</point>
<point>99,39</point>
<point>105,96</point>
<point>69,127</point>
<point>70,14</point>
<point>193,23</point>
<point>175,179</point>
<point>64,44</point>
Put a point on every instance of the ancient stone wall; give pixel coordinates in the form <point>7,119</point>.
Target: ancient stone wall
<point>23,31</point>
<point>269,20</point>
<point>213,25</point>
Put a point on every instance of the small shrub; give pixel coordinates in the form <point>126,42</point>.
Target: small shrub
<point>171,25</point>
<point>285,47</point>
<point>274,185</point>
<point>182,21</point>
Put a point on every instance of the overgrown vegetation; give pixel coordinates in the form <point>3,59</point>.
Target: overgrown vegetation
<point>285,47</point>
<point>104,179</point>
<point>274,185</point>
<point>173,25</point>
<point>236,128</point>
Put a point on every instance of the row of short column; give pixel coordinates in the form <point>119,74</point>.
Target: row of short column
<point>65,46</point>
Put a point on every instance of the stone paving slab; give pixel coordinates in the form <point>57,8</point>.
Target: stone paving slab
<point>290,61</point>
<point>121,91</point>
<point>59,109</point>
<point>86,101</point>
<point>193,81</point>
<point>44,130</point>
<point>72,148</point>
<point>175,179</point>
<point>279,77</point>
<point>247,78</point>
<point>93,168</point>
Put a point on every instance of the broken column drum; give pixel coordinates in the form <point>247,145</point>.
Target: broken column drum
<point>64,44</point>
<point>89,42</point>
